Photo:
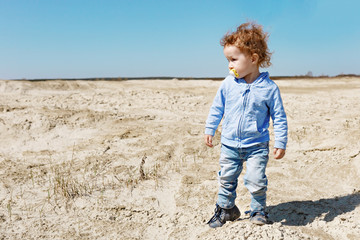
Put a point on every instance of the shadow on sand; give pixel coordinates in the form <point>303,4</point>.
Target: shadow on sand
<point>300,213</point>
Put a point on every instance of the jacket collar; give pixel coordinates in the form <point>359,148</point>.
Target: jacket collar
<point>259,79</point>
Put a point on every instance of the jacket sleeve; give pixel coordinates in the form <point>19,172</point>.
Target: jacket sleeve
<point>216,111</point>
<point>278,115</point>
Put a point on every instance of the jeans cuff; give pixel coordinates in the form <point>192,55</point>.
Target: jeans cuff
<point>224,206</point>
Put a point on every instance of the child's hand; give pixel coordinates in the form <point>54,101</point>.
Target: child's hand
<point>279,153</point>
<point>208,140</point>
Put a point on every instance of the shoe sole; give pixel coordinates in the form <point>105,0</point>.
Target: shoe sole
<point>258,222</point>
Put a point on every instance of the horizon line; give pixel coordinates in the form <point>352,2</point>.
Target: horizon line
<point>173,78</point>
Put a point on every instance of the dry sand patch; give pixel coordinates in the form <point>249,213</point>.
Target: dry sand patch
<point>126,160</point>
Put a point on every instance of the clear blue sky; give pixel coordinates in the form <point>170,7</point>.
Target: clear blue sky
<point>133,38</point>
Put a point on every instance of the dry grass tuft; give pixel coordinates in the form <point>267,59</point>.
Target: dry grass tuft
<point>67,186</point>
<point>141,169</point>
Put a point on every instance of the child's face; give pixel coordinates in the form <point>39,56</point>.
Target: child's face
<point>244,64</point>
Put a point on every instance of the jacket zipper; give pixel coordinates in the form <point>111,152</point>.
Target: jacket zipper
<point>245,96</point>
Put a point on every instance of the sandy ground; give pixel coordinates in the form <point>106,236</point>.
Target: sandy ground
<point>126,160</point>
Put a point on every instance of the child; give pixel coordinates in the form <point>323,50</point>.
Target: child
<point>246,100</point>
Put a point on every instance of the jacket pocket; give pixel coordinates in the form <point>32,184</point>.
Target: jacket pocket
<point>251,129</point>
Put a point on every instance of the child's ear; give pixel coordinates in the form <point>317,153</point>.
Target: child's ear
<point>255,58</point>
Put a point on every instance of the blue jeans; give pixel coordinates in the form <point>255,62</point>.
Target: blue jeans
<point>231,163</point>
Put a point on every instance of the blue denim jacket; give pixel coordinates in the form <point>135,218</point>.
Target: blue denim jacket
<point>247,109</point>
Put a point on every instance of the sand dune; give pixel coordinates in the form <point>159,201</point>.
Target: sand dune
<point>126,160</point>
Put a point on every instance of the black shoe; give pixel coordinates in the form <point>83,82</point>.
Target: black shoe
<point>222,215</point>
<point>259,218</point>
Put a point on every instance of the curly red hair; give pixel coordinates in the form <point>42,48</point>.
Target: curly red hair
<point>250,38</point>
